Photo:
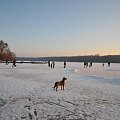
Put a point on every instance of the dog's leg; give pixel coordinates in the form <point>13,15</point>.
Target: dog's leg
<point>56,88</point>
<point>63,87</point>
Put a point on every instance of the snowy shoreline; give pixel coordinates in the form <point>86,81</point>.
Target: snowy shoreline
<point>90,93</point>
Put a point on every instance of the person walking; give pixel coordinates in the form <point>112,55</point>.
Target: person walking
<point>14,63</point>
<point>48,63</point>
<point>53,64</point>
<point>64,64</point>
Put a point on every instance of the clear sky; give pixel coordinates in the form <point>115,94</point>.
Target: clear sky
<point>36,28</point>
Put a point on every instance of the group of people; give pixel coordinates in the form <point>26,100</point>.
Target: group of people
<point>90,65</point>
<point>86,64</point>
<point>108,64</point>
<point>52,64</point>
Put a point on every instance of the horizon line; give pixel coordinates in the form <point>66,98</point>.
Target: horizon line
<point>69,56</point>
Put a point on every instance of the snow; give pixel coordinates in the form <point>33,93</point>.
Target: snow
<point>26,92</point>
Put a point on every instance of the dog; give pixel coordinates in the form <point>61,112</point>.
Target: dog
<point>60,83</point>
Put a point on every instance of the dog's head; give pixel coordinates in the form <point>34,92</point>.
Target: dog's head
<point>64,78</point>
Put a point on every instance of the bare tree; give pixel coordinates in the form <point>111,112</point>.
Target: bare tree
<point>5,53</point>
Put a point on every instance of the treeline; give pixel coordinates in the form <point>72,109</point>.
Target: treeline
<point>90,58</point>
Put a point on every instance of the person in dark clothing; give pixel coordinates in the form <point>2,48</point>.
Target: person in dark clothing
<point>64,64</point>
<point>53,64</point>
<point>7,62</point>
<point>14,63</point>
<point>48,63</point>
<point>90,64</point>
<point>108,64</point>
<point>103,64</point>
<point>85,64</point>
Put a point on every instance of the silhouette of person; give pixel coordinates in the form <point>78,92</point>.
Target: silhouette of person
<point>108,64</point>
<point>48,63</point>
<point>7,62</point>
<point>64,64</point>
<point>14,63</point>
<point>103,64</point>
<point>90,64</point>
<point>53,64</point>
<point>85,64</point>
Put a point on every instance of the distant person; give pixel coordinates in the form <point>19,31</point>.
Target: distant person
<point>53,64</point>
<point>103,64</point>
<point>64,64</point>
<point>108,64</point>
<point>90,64</point>
<point>85,64</point>
<point>48,63</point>
<point>14,63</point>
<point>7,62</point>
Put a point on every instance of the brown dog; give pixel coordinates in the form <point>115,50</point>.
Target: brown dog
<point>60,83</point>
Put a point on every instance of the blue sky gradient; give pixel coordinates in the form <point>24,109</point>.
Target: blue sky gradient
<point>60,27</point>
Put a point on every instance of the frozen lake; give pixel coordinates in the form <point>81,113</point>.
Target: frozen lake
<point>26,92</point>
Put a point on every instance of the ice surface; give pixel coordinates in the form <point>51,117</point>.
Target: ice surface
<point>90,93</point>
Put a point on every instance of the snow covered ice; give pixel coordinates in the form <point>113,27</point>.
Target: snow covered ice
<point>26,92</point>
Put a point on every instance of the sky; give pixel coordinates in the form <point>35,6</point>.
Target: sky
<point>37,28</point>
